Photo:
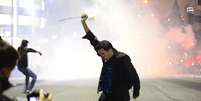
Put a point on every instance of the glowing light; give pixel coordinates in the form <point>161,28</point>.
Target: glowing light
<point>169,19</point>
<point>192,44</point>
<point>146,1</point>
<point>198,58</point>
<point>152,15</point>
<point>193,61</point>
<point>189,62</point>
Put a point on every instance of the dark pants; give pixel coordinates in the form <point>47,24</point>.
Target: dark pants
<point>105,97</point>
<point>28,73</point>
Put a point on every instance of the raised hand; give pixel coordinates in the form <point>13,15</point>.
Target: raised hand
<point>84,17</point>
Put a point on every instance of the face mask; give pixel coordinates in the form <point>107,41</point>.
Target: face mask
<point>4,84</point>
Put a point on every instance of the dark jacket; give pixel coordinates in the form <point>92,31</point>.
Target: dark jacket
<point>23,60</point>
<point>124,74</point>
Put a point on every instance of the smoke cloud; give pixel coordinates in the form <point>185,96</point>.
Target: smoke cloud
<point>132,27</point>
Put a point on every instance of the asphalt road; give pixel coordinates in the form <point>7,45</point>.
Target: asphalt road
<point>157,89</point>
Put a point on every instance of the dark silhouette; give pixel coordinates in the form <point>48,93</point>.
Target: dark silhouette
<point>118,74</point>
<point>8,60</point>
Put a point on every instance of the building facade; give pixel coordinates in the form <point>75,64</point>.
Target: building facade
<point>21,17</point>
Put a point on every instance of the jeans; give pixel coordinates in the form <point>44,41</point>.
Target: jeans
<point>28,73</point>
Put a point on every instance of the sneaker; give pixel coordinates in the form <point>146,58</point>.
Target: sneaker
<point>27,91</point>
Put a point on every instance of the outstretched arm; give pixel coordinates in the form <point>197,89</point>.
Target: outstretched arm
<point>33,50</point>
<point>89,35</point>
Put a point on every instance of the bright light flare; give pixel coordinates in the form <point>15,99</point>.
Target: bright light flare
<point>146,1</point>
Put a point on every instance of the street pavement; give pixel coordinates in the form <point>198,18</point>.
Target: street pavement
<point>152,89</point>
